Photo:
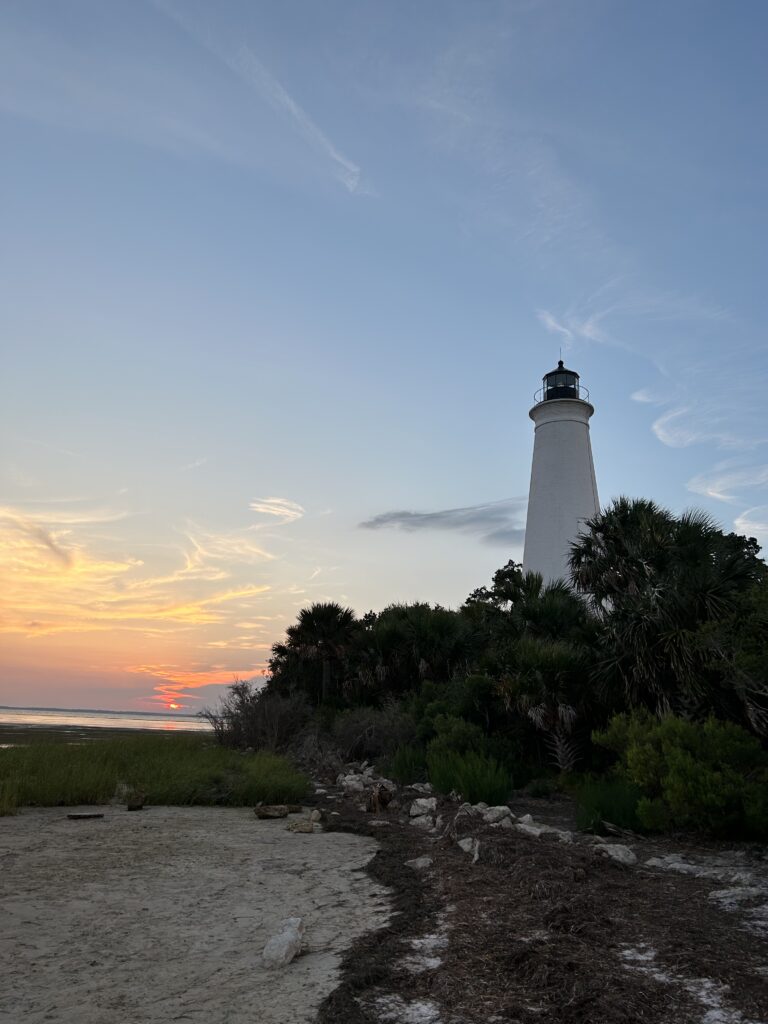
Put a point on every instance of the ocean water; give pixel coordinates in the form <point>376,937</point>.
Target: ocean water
<point>75,720</point>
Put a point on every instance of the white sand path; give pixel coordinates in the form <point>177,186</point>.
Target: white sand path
<point>162,914</point>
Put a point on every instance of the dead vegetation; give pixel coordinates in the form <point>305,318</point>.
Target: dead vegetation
<point>546,931</point>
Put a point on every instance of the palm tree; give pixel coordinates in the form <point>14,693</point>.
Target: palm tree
<point>323,632</point>
<point>655,581</point>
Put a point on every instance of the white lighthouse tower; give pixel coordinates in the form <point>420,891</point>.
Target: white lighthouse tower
<point>563,491</point>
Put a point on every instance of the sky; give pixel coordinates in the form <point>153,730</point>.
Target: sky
<point>278,282</point>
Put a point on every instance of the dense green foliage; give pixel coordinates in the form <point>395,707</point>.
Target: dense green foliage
<point>690,774</point>
<point>167,769</point>
<point>608,799</point>
<point>663,614</point>
<point>473,775</point>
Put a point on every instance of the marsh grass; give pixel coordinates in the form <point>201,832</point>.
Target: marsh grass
<point>178,770</point>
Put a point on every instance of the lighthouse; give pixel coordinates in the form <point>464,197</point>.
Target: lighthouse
<point>563,492</point>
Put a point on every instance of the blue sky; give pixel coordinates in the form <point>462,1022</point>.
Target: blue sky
<point>271,271</point>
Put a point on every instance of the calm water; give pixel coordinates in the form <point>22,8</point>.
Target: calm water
<point>74,721</point>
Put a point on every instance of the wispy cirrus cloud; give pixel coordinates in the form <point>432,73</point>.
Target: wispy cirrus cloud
<point>495,522</point>
<point>754,523</point>
<point>727,481</point>
<point>705,395</point>
<point>279,510</point>
<point>243,62</point>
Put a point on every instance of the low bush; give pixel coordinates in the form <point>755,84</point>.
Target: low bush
<point>168,769</point>
<point>475,776</point>
<point>454,735</point>
<point>710,776</point>
<point>250,717</point>
<point>372,733</point>
<point>611,800</point>
<point>407,764</point>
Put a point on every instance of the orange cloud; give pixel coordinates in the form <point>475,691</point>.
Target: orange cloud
<point>63,578</point>
<point>178,681</point>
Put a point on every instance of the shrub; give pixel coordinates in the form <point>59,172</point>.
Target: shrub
<point>250,717</point>
<point>408,764</point>
<point>611,799</point>
<point>455,735</point>
<point>370,733</point>
<point>709,776</point>
<point>475,776</point>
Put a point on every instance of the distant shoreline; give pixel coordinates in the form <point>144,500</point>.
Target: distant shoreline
<point>96,711</point>
<point>57,725</point>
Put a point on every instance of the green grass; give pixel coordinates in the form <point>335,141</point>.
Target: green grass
<point>608,799</point>
<point>168,769</point>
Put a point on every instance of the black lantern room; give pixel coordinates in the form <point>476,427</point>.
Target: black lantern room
<point>561,383</point>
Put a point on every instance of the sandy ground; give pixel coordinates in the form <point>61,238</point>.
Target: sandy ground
<point>161,915</point>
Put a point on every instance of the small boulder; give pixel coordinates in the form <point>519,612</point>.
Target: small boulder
<point>316,815</point>
<point>494,814</point>
<point>527,819</point>
<point>423,805</point>
<point>304,825</point>
<point>285,944</point>
<point>617,852</point>
<point>271,811</point>
<point>419,863</point>
<point>422,820</point>
<point>470,845</point>
<point>353,784</point>
<point>422,787</point>
<point>529,829</point>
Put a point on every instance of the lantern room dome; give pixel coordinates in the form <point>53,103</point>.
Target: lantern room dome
<point>561,383</point>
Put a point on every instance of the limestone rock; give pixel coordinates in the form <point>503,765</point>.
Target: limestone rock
<point>422,820</point>
<point>422,787</point>
<point>271,811</point>
<point>285,944</point>
<point>423,805</point>
<point>316,815</point>
<point>530,829</point>
<point>470,845</point>
<point>494,814</point>
<point>352,784</point>
<point>617,852</point>
<point>533,829</point>
<point>304,825</point>
<point>419,863</point>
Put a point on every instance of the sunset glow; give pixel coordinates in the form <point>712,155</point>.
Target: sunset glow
<point>280,282</point>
